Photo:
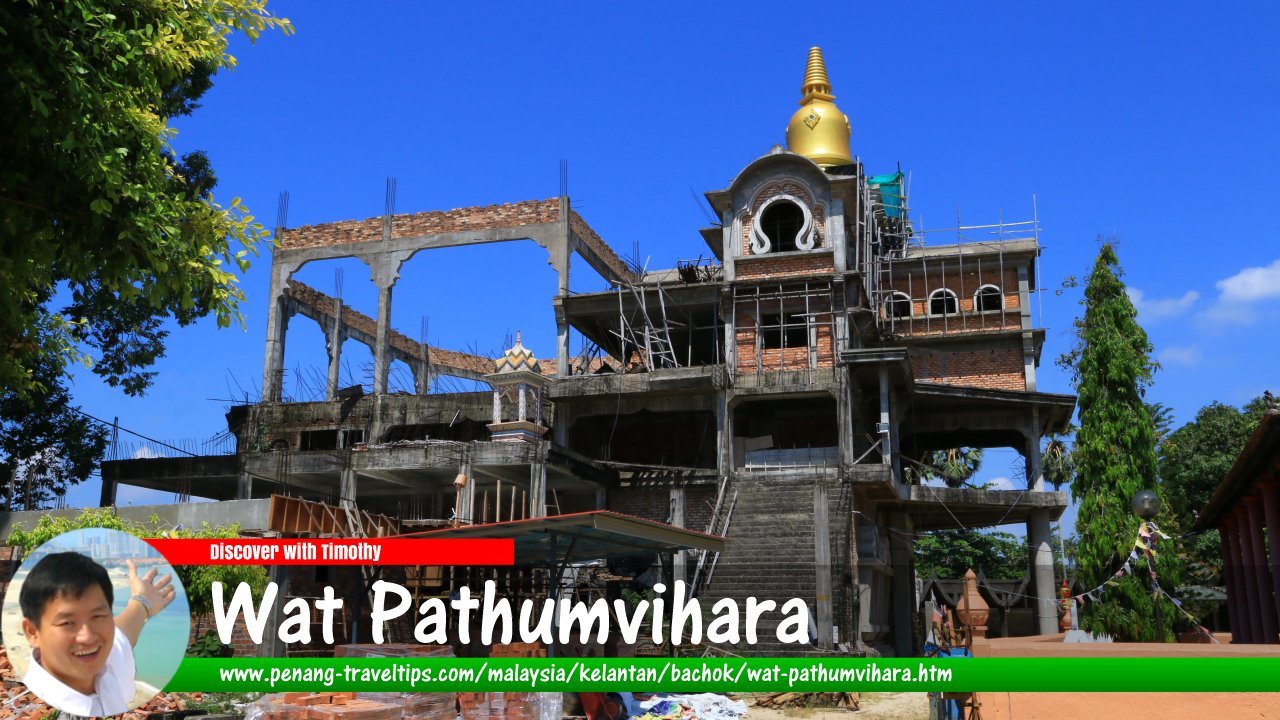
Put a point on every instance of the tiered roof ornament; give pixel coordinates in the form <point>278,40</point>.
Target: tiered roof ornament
<point>518,385</point>
<point>517,358</point>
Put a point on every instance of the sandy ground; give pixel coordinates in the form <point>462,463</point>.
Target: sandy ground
<point>874,706</point>
<point>1125,706</point>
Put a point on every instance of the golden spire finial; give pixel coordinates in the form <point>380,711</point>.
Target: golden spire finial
<point>816,85</point>
<point>818,130</point>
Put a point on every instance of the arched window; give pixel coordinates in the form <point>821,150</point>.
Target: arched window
<point>988,298</point>
<point>898,306</point>
<point>781,223</point>
<point>943,302</point>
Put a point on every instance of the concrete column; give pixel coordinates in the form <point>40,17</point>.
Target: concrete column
<point>724,432</point>
<point>1230,575</point>
<point>563,420</point>
<point>381,345</point>
<point>1271,512</point>
<point>822,565</point>
<point>277,325</point>
<point>562,340</point>
<point>244,484</point>
<point>422,378</point>
<point>725,308</point>
<point>904,585</point>
<point>347,488</point>
<point>538,485</point>
<point>108,496</point>
<point>882,429</point>
<point>835,235</point>
<point>678,561</point>
<point>1040,543</point>
<point>844,416</point>
<point>467,511</point>
<point>523,412</point>
<point>1261,569</point>
<point>336,337</point>
<point>1031,455</point>
<point>1253,617</point>
<point>561,255</point>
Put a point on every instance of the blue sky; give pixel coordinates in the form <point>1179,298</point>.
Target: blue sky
<point>1152,124</point>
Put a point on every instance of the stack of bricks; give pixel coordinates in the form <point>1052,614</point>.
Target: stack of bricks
<point>10,559</point>
<point>504,706</point>
<point>410,705</point>
<point>324,706</point>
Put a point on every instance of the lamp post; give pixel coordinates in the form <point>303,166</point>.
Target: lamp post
<point>1146,505</point>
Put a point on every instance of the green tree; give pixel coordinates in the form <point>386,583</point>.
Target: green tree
<point>949,553</point>
<point>1193,460</point>
<point>1056,462</point>
<point>1161,419</point>
<point>1197,456</point>
<point>954,467</point>
<point>1115,457</point>
<point>105,233</point>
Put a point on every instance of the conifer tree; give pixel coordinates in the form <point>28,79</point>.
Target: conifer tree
<point>1115,457</point>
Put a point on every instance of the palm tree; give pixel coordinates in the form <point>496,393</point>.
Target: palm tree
<point>957,465</point>
<point>1162,418</point>
<point>1055,461</point>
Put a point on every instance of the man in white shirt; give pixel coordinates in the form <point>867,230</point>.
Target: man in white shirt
<point>82,657</point>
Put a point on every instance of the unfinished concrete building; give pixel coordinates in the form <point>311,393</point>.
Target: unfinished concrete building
<point>780,395</point>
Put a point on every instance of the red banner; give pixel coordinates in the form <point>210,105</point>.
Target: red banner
<point>335,551</point>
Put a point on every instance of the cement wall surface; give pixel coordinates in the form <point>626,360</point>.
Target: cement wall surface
<point>249,514</point>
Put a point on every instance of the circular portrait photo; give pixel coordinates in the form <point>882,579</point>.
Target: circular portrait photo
<point>95,622</point>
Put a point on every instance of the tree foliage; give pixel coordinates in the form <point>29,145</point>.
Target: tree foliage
<point>949,553</point>
<point>954,467</point>
<point>1193,460</point>
<point>1115,457</point>
<point>1197,456</point>
<point>105,233</point>
<point>1056,462</point>
<point>196,579</point>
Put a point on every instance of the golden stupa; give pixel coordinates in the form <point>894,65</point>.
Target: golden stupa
<point>818,130</point>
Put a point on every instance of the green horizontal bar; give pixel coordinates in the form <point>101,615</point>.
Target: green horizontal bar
<point>729,674</point>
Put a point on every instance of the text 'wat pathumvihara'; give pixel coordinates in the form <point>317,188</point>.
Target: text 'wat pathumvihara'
<point>753,424</point>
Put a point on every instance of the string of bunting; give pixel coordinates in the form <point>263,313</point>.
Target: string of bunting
<point>1149,534</point>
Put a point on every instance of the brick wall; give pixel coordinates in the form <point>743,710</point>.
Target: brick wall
<point>598,247</point>
<point>529,212</point>
<point>794,189</point>
<point>244,645</point>
<point>653,503</point>
<point>999,369</point>
<point>919,285</point>
<point>790,358</point>
<point>789,265</point>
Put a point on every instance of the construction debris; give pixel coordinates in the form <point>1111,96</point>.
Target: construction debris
<point>698,706</point>
<point>320,706</point>
<point>848,701</point>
